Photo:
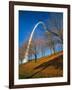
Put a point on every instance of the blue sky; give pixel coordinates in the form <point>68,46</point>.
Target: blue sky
<point>27,21</point>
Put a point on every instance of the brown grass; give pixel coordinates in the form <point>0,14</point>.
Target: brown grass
<point>48,66</point>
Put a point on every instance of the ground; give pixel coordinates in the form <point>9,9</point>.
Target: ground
<point>45,67</point>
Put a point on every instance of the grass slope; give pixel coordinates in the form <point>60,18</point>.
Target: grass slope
<point>48,66</point>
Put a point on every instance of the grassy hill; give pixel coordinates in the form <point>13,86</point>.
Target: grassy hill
<point>48,66</point>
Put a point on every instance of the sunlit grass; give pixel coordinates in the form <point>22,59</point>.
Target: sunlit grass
<point>48,66</point>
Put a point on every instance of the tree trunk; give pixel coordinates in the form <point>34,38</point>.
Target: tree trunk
<point>53,49</point>
<point>35,57</point>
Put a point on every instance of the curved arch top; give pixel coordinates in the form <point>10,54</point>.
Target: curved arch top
<point>28,46</point>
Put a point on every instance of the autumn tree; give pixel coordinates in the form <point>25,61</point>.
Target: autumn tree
<point>22,51</point>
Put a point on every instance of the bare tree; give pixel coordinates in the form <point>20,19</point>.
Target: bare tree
<point>55,25</point>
